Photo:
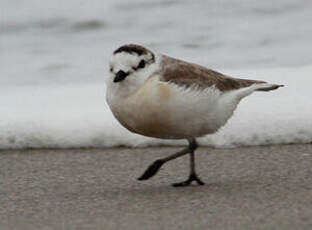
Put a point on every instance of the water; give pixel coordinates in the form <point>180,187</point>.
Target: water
<point>53,64</point>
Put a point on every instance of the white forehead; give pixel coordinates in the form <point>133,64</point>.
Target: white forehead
<point>126,61</point>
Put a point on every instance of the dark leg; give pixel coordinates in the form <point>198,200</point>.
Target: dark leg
<point>153,168</point>
<point>193,176</point>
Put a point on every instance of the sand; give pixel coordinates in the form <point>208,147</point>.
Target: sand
<point>265,187</point>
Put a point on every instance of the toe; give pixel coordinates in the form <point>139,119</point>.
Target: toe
<point>194,177</point>
<point>199,182</point>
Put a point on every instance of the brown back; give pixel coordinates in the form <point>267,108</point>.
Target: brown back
<point>188,74</point>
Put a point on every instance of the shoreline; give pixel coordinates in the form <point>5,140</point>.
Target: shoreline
<point>146,147</point>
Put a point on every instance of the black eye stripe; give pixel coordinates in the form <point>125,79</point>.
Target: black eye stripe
<point>141,64</point>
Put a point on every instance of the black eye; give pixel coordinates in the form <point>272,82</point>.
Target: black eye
<point>111,69</point>
<point>141,64</point>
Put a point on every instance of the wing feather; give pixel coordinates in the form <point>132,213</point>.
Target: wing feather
<point>189,75</point>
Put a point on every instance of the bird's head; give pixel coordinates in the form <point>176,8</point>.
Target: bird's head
<point>131,65</point>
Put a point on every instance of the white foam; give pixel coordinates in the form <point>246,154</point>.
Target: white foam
<point>78,116</point>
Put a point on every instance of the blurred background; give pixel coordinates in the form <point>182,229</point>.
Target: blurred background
<point>54,55</point>
<point>70,41</point>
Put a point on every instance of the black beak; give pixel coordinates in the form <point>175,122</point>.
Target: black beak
<point>120,75</point>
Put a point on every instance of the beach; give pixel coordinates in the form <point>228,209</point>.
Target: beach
<point>61,161</point>
<point>261,187</point>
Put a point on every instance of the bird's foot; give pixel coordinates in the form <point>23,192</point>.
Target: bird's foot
<point>192,177</point>
<point>151,170</point>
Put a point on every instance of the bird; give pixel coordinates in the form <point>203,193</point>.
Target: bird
<point>158,96</point>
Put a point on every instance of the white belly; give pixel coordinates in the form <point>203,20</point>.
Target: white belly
<point>163,110</point>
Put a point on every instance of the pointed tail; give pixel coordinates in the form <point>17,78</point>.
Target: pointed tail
<point>268,87</point>
<point>243,92</point>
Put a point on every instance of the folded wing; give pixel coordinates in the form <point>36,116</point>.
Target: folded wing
<point>187,75</point>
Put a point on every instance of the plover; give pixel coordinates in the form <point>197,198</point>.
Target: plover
<point>162,97</point>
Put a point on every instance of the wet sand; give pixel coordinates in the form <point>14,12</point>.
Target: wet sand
<point>266,187</point>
